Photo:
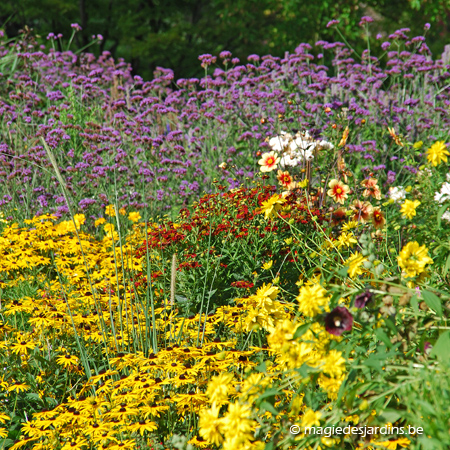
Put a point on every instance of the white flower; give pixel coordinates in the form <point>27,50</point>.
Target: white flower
<point>397,193</point>
<point>308,155</point>
<point>280,143</point>
<point>326,145</point>
<point>446,216</point>
<point>444,195</point>
<point>297,148</point>
<point>289,161</point>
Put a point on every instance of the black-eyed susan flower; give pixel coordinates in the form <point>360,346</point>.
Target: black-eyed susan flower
<point>142,426</point>
<point>22,347</point>
<point>67,360</point>
<point>18,387</point>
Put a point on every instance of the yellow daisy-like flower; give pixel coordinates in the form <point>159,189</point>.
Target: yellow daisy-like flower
<point>271,206</point>
<point>219,388</point>
<point>18,387</point>
<point>4,417</point>
<point>22,347</point>
<point>79,219</point>
<point>267,265</point>
<point>110,211</point>
<point>67,360</point>
<point>312,299</point>
<point>311,418</point>
<point>100,221</point>
<point>346,240</point>
<point>350,225</point>
<point>237,420</point>
<point>134,216</point>
<point>210,425</point>
<point>437,153</point>
<point>413,258</point>
<point>354,264</point>
<point>408,208</point>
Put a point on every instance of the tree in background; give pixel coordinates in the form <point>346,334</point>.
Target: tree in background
<point>172,33</point>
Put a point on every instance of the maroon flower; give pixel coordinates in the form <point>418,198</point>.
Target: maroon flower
<point>361,300</point>
<point>338,321</point>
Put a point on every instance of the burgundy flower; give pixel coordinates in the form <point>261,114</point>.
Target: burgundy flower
<point>338,321</point>
<point>361,300</point>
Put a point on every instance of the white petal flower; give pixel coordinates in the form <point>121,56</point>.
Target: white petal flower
<point>446,216</point>
<point>397,193</point>
<point>308,155</point>
<point>444,194</point>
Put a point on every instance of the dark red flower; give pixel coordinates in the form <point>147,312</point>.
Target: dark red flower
<point>361,300</point>
<point>338,321</point>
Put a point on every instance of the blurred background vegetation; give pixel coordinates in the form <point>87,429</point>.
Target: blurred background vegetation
<point>173,33</point>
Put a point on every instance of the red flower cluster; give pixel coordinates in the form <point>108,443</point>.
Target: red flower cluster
<point>242,284</point>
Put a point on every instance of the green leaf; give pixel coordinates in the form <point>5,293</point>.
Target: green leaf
<point>382,336</point>
<point>268,407</point>
<point>269,446</point>
<point>303,370</point>
<point>33,396</point>
<point>374,363</point>
<point>447,266</point>
<point>441,348</point>
<point>433,301</point>
<point>6,444</point>
<point>343,271</point>
<point>390,415</point>
<point>391,325</point>
<point>301,330</point>
<point>269,393</point>
<point>261,367</point>
<point>441,211</point>
<point>415,304</point>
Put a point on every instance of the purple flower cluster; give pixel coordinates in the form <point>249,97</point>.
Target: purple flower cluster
<point>157,144</point>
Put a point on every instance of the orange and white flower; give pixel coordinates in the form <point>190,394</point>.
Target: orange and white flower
<point>269,161</point>
<point>394,136</point>
<point>378,219</point>
<point>361,211</point>
<point>285,179</point>
<point>344,138</point>
<point>338,191</point>
<point>372,188</point>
